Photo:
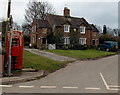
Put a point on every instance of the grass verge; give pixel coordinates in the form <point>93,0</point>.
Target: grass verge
<point>82,54</point>
<point>41,63</point>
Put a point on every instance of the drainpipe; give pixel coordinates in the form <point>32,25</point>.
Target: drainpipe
<point>46,43</point>
<point>36,35</point>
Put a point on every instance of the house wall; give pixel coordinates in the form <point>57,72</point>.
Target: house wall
<point>41,33</point>
<point>95,36</point>
<point>33,34</point>
<point>66,34</point>
<point>31,38</point>
<point>87,35</point>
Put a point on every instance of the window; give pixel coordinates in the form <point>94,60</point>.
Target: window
<point>14,42</point>
<point>82,29</point>
<point>82,41</point>
<point>44,30</point>
<point>94,34</point>
<point>66,28</point>
<point>66,40</point>
<point>33,38</point>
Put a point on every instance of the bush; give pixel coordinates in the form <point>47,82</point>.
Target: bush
<point>26,40</point>
<point>26,43</point>
<point>44,47</point>
<point>65,47</point>
<point>78,47</point>
<point>34,46</point>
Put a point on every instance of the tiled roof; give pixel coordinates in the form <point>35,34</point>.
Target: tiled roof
<point>43,24</point>
<point>94,29</point>
<point>60,20</point>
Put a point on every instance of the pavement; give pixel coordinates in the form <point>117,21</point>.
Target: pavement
<point>50,55</point>
<point>22,77</point>
<point>90,76</point>
<point>30,74</point>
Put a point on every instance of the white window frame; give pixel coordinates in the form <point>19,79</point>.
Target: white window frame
<point>66,28</point>
<point>33,39</point>
<point>45,30</point>
<point>82,28</point>
<point>66,40</point>
<point>82,41</point>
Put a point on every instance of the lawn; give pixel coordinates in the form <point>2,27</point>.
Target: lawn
<point>41,63</point>
<point>82,54</point>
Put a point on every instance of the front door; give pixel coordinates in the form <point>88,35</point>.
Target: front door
<point>93,42</point>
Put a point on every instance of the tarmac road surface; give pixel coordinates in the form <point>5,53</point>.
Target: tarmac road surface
<point>91,76</point>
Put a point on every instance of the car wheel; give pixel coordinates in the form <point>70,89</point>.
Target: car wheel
<point>107,49</point>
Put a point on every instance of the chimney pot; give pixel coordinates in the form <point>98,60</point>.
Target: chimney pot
<point>66,12</point>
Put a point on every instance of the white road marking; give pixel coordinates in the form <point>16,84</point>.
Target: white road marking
<point>109,87</point>
<point>26,86</point>
<point>113,89</point>
<point>105,83</point>
<point>68,87</point>
<point>5,85</point>
<point>47,87</point>
<point>91,88</point>
<point>116,86</point>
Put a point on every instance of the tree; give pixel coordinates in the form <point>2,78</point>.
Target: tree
<point>26,28</point>
<point>3,28</point>
<point>74,38</point>
<point>3,33</point>
<point>15,26</point>
<point>109,29</point>
<point>114,32</point>
<point>38,10</point>
<point>106,37</point>
<point>26,40</point>
<point>59,39</point>
<point>99,28</point>
<point>50,38</point>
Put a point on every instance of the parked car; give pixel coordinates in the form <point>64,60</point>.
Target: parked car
<point>108,46</point>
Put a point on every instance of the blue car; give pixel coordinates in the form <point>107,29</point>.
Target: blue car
<point>108,46</point>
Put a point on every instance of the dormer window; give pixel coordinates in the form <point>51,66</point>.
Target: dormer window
<point>66,28</point>
<point>82,29</point>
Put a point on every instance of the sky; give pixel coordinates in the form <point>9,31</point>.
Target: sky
<point>98,12</point>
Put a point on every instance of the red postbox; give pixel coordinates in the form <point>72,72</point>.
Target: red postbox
<point>16,49</point>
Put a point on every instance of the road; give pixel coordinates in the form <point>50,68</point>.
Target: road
<point>91,76</point>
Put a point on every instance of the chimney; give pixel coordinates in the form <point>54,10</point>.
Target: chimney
<point>104,29</point>
<point>66,12</point>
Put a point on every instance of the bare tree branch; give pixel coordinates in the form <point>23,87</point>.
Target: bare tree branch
<point>38,10</point>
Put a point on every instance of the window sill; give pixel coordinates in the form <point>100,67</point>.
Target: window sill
<point>82,32</point>
<point>66,31</point>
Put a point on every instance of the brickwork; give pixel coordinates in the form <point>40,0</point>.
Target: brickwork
<point>52,22</point>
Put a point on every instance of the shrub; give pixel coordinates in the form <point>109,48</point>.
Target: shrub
<point>34,46</point>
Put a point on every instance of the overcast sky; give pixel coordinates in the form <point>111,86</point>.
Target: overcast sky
<point>98,12</point>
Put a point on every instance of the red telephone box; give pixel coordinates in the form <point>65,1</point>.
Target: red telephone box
<point>16,49</point>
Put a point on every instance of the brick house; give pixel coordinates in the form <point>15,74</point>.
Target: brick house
<point>88,33</point>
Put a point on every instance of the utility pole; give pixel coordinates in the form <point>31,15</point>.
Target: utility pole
<point>8,29</point>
